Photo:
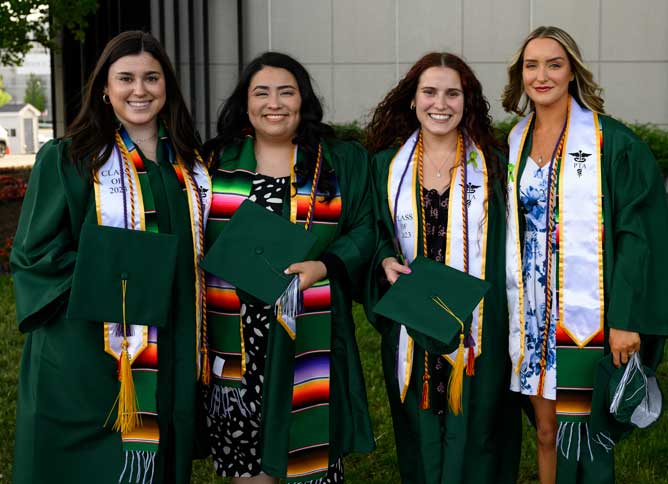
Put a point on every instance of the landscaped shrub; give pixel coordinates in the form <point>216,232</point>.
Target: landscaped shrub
<point>657,140</point>
<point>12,188</point>
<point>655,137</point>
<point>5,249</point>
<point>13,183</point>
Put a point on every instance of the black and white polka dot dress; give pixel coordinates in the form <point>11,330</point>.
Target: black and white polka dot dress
<point>235,438</point>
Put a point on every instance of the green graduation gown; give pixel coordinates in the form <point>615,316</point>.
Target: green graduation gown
<point>482,444</point>
<point>353,245</point>
<point>67,383</point>
<point>635,264</point>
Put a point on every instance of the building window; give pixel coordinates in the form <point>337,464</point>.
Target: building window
<point>12,132</point>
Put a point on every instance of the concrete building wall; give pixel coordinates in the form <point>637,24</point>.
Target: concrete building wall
<point>356,50</point>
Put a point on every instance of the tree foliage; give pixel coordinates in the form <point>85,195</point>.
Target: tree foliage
<point>35,93</point>
<point>5,97</point>
<point>24,21</point>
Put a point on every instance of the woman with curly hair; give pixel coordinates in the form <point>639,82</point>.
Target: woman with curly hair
<point>585,258</point>
<point>263,422</point>
<point>438,177</point>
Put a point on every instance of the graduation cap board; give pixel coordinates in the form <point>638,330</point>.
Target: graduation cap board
<point>437,301</point>
<point>109,255</point>
<point>123,278</point>
<point>418,300</point>
<point>254,248</point>
<point>624,398</point>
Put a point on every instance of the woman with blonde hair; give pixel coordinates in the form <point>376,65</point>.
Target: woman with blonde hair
<point>577,292</point>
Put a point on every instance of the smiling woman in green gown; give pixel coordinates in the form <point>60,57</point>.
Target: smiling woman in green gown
<point>130,162</point>
<point>439,190</point>
<point>586,263</point>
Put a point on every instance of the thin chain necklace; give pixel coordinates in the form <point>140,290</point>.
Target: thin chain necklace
<point>144,140</point>
<point>438,169</point>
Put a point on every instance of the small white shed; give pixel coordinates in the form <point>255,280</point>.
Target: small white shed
<point>20,121</point>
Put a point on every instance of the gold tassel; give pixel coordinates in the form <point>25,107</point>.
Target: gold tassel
<point>424,403</point>
<point>206,368</point>
<point>456,381</point>
<point>128,416</point>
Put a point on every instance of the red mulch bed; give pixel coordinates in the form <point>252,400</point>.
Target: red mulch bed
<point>13,183</point>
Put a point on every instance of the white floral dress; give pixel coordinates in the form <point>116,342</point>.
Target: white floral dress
<point>533,205</point>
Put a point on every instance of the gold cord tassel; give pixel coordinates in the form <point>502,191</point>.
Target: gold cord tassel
<point>206,368</point>
<point>128,415</point>
<point>424,402</point>
<point>456,381</point>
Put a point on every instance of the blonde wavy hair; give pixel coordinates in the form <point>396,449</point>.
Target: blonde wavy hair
<point>583,87</point>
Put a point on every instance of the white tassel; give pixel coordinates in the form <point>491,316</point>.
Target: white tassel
<point>223,399</point>
<point>288,307</point>
<point>570,437</point>
<point>132,466</point>
<point>124,467</point>
<point>561,433</point>
<point>591,454</point>
<point>631,368</point>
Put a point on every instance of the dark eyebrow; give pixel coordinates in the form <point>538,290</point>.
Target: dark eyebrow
<point>149,73</point>
<point>548,60</point>
<point>265,88</point>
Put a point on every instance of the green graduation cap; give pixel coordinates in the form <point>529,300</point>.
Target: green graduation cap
<point>106,257</point>
<point>433,299</point>
<point>624,398</point>
<point>254,248</point>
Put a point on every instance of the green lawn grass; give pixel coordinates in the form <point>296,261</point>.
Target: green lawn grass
<point>641,459</point>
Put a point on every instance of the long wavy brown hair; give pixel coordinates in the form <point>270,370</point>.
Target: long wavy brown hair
<point>93,130</point>
<point>393,120</point>
<point>583,87</point>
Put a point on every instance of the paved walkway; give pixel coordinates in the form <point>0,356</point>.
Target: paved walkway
<point>16,161</point>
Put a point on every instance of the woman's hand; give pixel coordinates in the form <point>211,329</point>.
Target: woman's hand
<point>393,269</point>
<point>310,272</point>
<point>622,345</point>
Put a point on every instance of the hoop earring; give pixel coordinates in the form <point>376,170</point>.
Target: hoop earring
<point>105,99</point>
<point>412,105</point>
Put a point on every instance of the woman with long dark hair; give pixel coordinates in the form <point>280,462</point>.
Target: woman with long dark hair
<point>128,167</point>
<point>576,291</point>
<point>272,148</point>
<point>438,177</point>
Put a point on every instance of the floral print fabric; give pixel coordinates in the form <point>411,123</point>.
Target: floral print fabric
<point>533,205</point>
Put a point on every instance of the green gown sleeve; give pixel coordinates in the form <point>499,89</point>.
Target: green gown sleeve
<point>44,250</point>
<point>355,243</point>
<point>385,247</point>
<point>639,229</point>
<point>374,289</point>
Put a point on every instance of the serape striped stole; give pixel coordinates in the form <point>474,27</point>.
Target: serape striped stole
<point>124,199</point>
<point>308,437</point>
<point>579,292</point>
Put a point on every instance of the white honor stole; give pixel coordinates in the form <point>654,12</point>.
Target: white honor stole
<point>119,203</point>
<point>579,233</point>
<point>401,188</point>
